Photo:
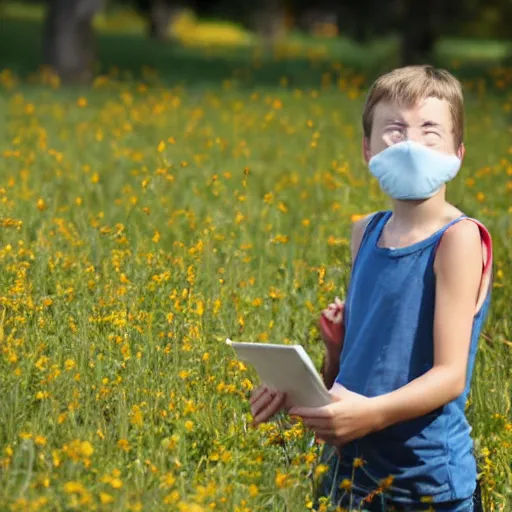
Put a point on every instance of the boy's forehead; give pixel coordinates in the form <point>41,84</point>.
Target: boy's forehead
<point>434,109</point>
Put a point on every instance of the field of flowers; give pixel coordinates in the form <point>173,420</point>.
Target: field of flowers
<point>142,224</point>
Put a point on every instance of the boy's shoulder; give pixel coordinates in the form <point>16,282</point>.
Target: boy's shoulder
<point>467,231</point>
<point>362,221</point>
<point>358,229</point>
<point>462,235</point>
<point>459,244</point>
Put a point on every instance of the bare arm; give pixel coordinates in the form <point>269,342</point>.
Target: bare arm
<point>266,402</point>
<point>458,269</point>
<point>331,362</point>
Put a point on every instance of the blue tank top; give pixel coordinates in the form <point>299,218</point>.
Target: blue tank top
<point>389,316</point>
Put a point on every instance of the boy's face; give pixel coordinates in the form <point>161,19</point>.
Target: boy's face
<point>429,123</point>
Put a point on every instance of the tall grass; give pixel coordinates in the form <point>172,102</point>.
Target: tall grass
<point>143,222</point>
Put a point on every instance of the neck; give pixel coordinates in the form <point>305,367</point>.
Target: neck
<point>409,214</point>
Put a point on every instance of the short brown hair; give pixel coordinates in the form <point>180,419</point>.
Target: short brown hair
<point>409,85</point>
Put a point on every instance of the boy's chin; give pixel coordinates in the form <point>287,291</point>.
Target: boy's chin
<point>420,200</point>
<point>411,201</point>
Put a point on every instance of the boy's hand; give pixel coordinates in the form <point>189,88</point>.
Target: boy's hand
<point>349,417</point>
<point>332,325</point>
<point>265,402</point>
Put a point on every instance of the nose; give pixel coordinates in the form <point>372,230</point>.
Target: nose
<point>414,135</point>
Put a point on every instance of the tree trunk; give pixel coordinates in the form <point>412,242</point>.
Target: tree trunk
<point>421,26</point>
<point>270,20</point>
<point>69,38</point>
<point>161,12</point>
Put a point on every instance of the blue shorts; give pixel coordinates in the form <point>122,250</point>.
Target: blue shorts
<point>351,500</point>
<point>381,505</point>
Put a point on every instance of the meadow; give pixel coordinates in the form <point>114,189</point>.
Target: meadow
<point>209,194</point>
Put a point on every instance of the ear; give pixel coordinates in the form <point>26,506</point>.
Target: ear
<point>461,151</point>
<point>367,154</point>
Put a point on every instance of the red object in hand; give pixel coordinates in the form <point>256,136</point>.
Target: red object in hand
<point>332,325</point>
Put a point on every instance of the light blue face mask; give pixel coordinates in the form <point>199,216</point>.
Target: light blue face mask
<point>410,170</point>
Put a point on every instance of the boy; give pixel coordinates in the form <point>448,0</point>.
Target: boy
<point>400,365</point>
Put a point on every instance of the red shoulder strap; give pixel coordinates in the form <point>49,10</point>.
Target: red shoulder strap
<point>486,245</point>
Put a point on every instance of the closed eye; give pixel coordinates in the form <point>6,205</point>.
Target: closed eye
<point>430,126</point>
<point>431,138</point>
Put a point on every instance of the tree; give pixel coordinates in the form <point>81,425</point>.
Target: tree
<point>421,24</point>
<point>69,38</point>
<point>159,14</point>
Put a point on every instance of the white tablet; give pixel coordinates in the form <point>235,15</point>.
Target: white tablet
<point>286,368</point>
